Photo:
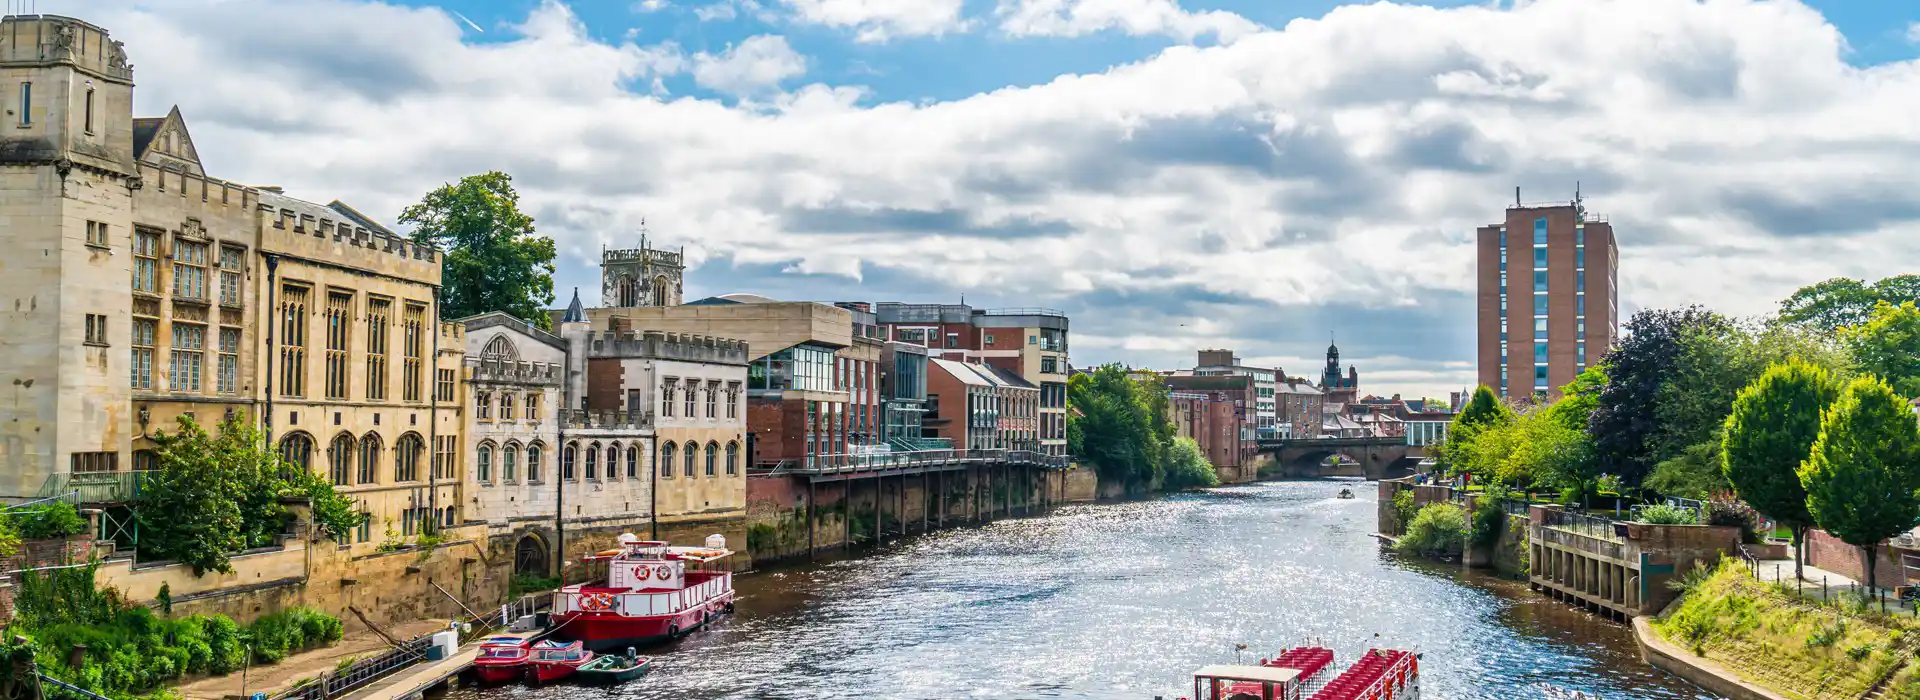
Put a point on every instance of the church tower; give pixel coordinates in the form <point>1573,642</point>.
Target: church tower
<point>643,276</point>
<point>67,178</point>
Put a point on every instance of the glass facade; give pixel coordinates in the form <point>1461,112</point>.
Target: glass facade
<point>801,368</point>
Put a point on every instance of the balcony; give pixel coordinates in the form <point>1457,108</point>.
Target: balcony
<point>95,487</point>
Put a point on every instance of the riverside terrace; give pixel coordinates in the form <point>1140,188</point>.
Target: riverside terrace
<point>993,483</point>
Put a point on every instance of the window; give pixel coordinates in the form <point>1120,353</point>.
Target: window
<point>508,471</point>
<point>1540,231</point>
<point>613,462</point>
<point>693,454</point>
<point>733,399</point>
<point>1539,352</point>
<point>1580,353</point>
<point>713,399</point>
<point>566,463</point>
<point>483,460</point>
<point>189,269</point>
<point>146,262</point>
<point>1580,284</point>
<point>801,367</point>
<point>533,464</point>
<point>1580,236</point>
<point>989,338</point>
<point>229,378</point>
<point>89,111</point>
<point>733,458</point>
<point>506,403</point>
<point>593,462</point>
<point>443,388</point>
<point>26,103</point>
<point>297,450</point>
<point>444,461</point>
<point>97,234</point>
<point>1540,281</point>
<point>633,462</point>
<point>406,458</point>
<point>185,357</point>
<point>94,461</point>
<point>1539,329</point>
<point>1539,375</point>
<point>666,461</point>
<point>693,387</point>
<point>1539,305</point>
<point>96,329</point>
<point>369,459</point>
<point>143,333</point>
<point>713,457</point>
<point>1580,258</point>
<point>379,315</point>
<point>1580,305</point>
<point>338,309</point>
<point>1539,258</point>
<point>340,460</point>
<point>232,262</point>
<point>1049,365</point>
<point>666,397</point>
<point>414,345</point>
<point>293,341</point>
<point>533,406</point>
<point>953,340</point>
<point>483,405</point>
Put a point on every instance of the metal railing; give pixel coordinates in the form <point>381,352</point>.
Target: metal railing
<point>359,673</point>
<point>1583,525</point>
<point>1023,311</point>
<point>854,463</point>
<point>94,487</point>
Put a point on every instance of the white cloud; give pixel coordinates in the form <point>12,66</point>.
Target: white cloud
<point>1324,175</point>
<point>880,20</point>
<point>1135,17</point>
<point>720,11</point>
<point>1913,32</point>
<point>757,64</point>
<point>646,6</point>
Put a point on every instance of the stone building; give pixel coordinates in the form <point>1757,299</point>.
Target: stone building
<point>643,276</point>
<point>150,291</point>
<point>516,375</point>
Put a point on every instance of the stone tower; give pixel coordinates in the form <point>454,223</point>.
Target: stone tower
<point>67,178</point>
<point>641,276</point>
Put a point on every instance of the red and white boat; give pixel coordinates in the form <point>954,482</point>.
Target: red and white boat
<point>552,660</point>
<point>1306,673</point>
<point>500,659</point>
<point>652,592</point>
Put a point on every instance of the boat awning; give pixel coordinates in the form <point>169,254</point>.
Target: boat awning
<point>1264,674</point>
<point>699,554</point>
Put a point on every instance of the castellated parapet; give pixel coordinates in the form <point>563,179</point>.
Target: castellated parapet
<point>666,346</point>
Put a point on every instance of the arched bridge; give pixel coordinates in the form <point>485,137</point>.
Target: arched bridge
<point>1377,457</point>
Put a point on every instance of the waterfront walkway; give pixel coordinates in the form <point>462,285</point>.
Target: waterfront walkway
<point>1823,585</point>
<point>273,678</point>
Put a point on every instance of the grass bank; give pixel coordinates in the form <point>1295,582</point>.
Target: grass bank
<point>1801,648</point>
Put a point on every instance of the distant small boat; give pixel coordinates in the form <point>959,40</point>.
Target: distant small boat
<point>1346,493</point>
<point>609,669</point>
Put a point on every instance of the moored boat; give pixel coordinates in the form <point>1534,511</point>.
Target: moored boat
<point>652,592</point>
<point>608,669</point>
<point>1346,493</point>
<point>1306,673</point>
<point>501,659</point>
<point>551,660</point>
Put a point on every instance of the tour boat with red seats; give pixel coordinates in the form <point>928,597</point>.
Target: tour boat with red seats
<point>500,659</point>
<point>651,592</point>
<point>552,660</point>
<point>1306,673</point>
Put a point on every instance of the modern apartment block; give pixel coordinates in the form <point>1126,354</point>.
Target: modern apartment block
<point>1548,299</point>
<point>1029,342</point>
<point>1266,382</point>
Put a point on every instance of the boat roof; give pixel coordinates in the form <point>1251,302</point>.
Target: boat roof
<point>1248,673</point>
<point>549,644</point>
<point>512,641</point>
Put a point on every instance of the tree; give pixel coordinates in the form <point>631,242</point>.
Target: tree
<point>493,260</point>
<point>1828,306</point>
<point>1483,408</point>
<point>1456,455</point>
<point>1769,434</point>
<point>1625,426</point>
<point>1694,473</point>
<point>1863,470</point>
<point>1120,425</point>
<point>1187,466</point>
<point>1887,345</point>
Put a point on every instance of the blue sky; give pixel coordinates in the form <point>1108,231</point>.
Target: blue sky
<point>1176,174</point>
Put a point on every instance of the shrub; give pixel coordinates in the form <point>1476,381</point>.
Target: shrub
<point>1722,511</point>
<point>1438,529</point>
<point>1404,508</point>
<point>47,521</point>
<point>1489,516</point>
<point>1663,514</point>
<point>1187,467</point>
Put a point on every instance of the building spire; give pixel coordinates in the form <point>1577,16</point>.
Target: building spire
<point>575,314</point>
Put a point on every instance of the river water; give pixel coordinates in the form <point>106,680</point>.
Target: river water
<point>1123,601</point>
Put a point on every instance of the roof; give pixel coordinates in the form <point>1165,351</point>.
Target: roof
<point>1269,674</point>
<point>960,371</point>
<point>1008,377</point>
<point>1296,388</point>
<point>359,218</point>
<point>143,130</point>
<point>735,298</point>
<point>575,314</point>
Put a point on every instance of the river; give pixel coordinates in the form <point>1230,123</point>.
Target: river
<point>1123,600</point>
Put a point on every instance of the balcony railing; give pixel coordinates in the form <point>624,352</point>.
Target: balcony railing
<point>95,487</point>
<point>1583,525</point>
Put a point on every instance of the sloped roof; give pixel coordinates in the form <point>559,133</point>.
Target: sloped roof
<point>575,314</point>
<point>960,371</point>
<point>144,128</point>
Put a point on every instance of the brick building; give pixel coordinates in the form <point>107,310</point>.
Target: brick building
<point>1029,342</point>
<point>1546,327</point>
<point>1219,413</point>
<point>963,405</point>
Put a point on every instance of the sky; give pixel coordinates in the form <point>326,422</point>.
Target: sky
<point>1259,175</point>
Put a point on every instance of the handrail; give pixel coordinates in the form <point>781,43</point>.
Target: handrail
<point>75,495</point>
<point>1584,525</point>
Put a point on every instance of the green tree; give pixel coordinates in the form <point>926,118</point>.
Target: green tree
<point>1862,473</point>
<point>1769,434</point>
<point>1482,412</point>
<point>1625,426</point>
<point>1828,306</point>
<point>1120,425</point>
<point>1887,345</point>
<point>1694,473</point>
<point>1483,408</point>
<point>493,260</point>
<point>1187,466</point>
<point>189,508</point>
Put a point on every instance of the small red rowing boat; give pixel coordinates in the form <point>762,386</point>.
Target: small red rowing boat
<point>500,659</point>
<point>553,660</point>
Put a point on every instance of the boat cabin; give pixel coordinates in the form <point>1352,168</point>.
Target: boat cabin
<point>554,651</point>
<point>503,648</point>
<point>648,577</point>
<point>1231,682</point>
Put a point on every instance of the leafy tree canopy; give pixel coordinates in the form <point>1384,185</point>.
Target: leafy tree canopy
<point>1770,433</point>
<point>1827,306</point>
<point>1120,425</point>
<point>1864,469</point>
<point>493,260</point>
<point>1626,425</point>
<point>1187,466</point>
<point>1887,345</point>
